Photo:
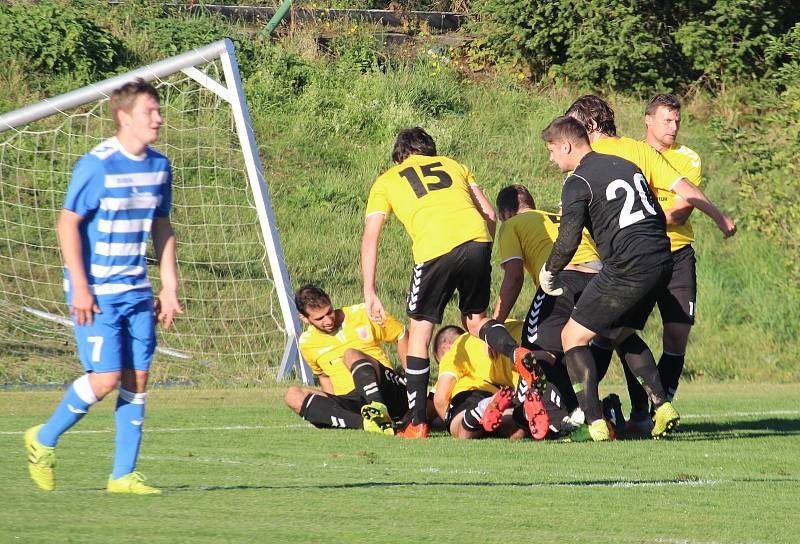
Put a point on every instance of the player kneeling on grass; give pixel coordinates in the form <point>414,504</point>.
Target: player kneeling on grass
<point>118,191</point>
<point>360,390</point>
<point>476,396</point>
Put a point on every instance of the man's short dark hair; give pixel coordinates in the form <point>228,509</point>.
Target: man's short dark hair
<point>310,296</point>
<point>663,100</point>
<point>413,141</point>
<point>594,113</point>
<point>448,333</point>
<point>565,129</point>
<point>512,197</point>
<point>124,97</point>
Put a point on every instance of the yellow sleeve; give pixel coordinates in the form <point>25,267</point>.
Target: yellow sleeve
<point>391,330</point>
<point>693,165</point>
<point>508,243</point>
<point>469,176</point>
<point>309,357</point>
<point>378,201</point>
<point>448,364</point>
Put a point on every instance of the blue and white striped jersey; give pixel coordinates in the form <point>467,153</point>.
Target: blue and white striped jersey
<point>118,195</point>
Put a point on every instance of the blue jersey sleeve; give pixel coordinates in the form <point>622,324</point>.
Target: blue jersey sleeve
<point>86,187</point>
<point>166,196</point>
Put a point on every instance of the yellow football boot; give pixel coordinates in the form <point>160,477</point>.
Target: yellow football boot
<point>41,460</point>
<point>131,483</point>
<point>666,420</point>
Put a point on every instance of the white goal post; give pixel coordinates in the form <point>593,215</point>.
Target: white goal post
<point>218,221</point>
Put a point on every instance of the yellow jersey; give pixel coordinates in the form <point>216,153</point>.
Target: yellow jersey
<point>687,163</point>
<point>659,173</point>
<point>431,197</point>
<point>324,352</point>
<point>469,363</point>
<point>529,236</point>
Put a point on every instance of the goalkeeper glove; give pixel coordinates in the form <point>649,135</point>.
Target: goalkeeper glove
<point>550,283</point>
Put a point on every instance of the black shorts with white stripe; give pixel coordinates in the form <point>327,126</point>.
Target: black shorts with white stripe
<point>463,401</point>
<point>466,268</point>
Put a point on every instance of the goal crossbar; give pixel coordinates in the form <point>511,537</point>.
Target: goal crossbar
<point>234,95</point>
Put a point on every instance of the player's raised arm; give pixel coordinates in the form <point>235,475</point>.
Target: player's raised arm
<point>696,198</point>
<point>166,254</point>
<point>373,225</point>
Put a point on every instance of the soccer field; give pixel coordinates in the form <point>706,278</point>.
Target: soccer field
<point>237,466</point>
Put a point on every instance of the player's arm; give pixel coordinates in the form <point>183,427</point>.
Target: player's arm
<point>575,199</point>
<point>373,225</point>
<point>83,305</point>
<point>513,278</point>
<point>164,244</point>
<point>484,207</point>
<point>695,197</point>
<point>679,213</point>
<point>402,348</point>
<point>325,384</point>
<point>441,398</point>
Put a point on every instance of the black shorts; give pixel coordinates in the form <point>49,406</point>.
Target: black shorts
<point>466,400</point>
<point>466,268</point>
<point>393,390</point>
<point>616,300</point>
<point>678,303</point>
<point>548,314</point>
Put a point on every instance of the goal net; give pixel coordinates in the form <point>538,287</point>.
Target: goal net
<point>239,325</point>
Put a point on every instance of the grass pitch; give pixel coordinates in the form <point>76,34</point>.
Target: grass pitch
<point>237,466</point>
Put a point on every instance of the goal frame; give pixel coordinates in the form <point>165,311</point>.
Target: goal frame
<point>232,93</point>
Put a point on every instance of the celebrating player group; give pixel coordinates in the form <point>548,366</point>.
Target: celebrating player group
<point>619,246</point>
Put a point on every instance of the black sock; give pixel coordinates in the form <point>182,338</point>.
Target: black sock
<point>417,373</point>
<point>322,411</point>
<point>602,359</point>
<point>639,399</point>
<point>670,368</point>
<point>518,416</point>
<point>583,375</point>
<point>366,381</point>
<point>557,375</point>
<point>554,405</point>
<point>635,353</point>
<point>472,419</point>
<point>496,335</point>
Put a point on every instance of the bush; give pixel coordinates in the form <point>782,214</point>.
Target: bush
<point>58,38</point>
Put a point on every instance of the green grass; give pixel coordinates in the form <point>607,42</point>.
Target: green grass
<point>237,466</point>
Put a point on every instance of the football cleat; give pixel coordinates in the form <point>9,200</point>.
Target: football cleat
<point>600,431</point>
<point>667,420</point>
<point>528,368</point>
<point>536,414</point>
<point>639,424</point>
<point>414,430</point>
<point>499,403</point>
<point>132,483</point>
<point>376,418</point>
<point>612,411</point>
<point>41,460</point>
<point>580,434</point>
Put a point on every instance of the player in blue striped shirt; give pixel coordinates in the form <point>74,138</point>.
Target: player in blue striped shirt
<point>120,193</point>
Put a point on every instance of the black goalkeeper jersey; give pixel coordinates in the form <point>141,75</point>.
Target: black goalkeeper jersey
<point>610,196</point>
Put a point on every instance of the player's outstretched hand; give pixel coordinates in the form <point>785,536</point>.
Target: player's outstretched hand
<point>375,308</point>
<point>84,306</point>
<point>550,283</point>
<point>727,225</point>
<point>166,307</point>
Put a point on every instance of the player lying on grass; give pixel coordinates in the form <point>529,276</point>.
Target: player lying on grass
<point>474,394</point>
<point>120,193</point>
<point>451,224</point>
<point>610,196</point>
<point>676,188</point>
<point>360,389</point>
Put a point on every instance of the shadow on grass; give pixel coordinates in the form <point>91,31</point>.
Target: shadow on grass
<point>734,430</point>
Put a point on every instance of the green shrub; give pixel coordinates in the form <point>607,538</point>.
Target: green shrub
<point>58,38</point>
<point>783,55</point>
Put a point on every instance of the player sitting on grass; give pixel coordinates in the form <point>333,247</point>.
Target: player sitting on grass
<point>473,392</point>
<point>120,193</point>
<point>360,390</point>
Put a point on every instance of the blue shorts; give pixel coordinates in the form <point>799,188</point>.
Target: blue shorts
<point>123,336</point>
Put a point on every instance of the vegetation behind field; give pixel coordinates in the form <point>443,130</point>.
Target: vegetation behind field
<point>325,120</point>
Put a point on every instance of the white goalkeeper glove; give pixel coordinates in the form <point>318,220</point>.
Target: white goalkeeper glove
<point>550,283</point>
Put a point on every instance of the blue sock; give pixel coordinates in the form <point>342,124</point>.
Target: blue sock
<point>73,407</point>
<point>129,418</point>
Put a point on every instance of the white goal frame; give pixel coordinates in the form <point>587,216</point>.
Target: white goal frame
<point>233,93</point>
